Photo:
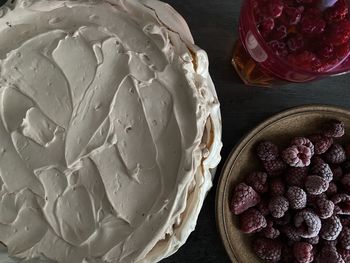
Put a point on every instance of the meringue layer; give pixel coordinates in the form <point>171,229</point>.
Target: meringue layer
<point>109,126</point>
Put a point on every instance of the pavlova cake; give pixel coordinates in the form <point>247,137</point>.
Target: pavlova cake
<point>109,133</point>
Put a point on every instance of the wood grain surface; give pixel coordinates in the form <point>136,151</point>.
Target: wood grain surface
<point>214,27</point>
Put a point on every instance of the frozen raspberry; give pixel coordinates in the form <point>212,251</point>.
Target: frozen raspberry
<point>303,252</point>
<point>313,240</point>
<point>291,15</point>
<point>263,207</point>
<point>244,197</point>
<point>345,255</point>
<point>279,48</point>
<point>337,172</point>
<point>296,197</point>
<point>287,253</point>
<point>275,167</point>
<point>316,185</point>
<point>344,238</point>
<point>279,33</point>
<point>257,180</point>
<point>325,208</point>
<point>331,228</point>
<point>325,51</point>
<point>305,59</point>
<point>312,26</point>
<point>295,176</point>
<point>323,170</point>
<point>302,141</point>
<point>321,143</point>
<point>295,42</point>
<point>347,151</point>
<point>307,223</point>
<point>251,221</point>
<point>269,231</point>
<point>335,155</point>
<point>345,221</point>
<point>297,156</point>
<point>284,220</point>
<point>342,51</point>
<point>315,160</point>
<point>275,8</point>
<point>345,167</point>
<point>330,243</point>
<point>337,12</point>
<point>266,26</point>
<point>267,249</point>
<point>334,129</point>
<point>339,33</point>
<point>332,189</point>
<point>342,204</point>
<point>267,151</point>
<point>345,181</point>
<point>277,186</point>
<point>278,205</point>
<point>328,254</point>
<point>291,233</point>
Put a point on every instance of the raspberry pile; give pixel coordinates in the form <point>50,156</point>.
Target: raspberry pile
<point>298,205</point>
<point>304,33</point>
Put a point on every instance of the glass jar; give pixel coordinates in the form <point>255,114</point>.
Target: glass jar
<point>258,65</point>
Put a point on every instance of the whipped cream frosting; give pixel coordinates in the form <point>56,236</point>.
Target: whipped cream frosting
<point>109,128</point>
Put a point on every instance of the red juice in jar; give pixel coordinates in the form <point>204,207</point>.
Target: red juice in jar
<point>284,41</point>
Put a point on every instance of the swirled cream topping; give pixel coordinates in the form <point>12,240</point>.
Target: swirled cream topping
<point>104,105</point>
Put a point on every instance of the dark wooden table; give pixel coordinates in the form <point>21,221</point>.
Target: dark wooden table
<point>214,27</point>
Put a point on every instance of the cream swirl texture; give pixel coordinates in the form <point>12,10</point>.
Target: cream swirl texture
<point>109,128</point>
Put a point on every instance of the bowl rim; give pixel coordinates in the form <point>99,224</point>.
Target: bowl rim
<point>221,190</point>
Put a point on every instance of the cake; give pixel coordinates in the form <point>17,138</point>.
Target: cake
<point>110,130</point>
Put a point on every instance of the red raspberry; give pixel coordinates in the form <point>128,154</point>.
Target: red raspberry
<point>251,221</point>
<point>323,170</point>
<point>345,181</point>
<point>308,224</point>
<point>278,205</point>
<point>295,42</point>
<point>331,228</point>
<point>324,208</point>
<point>339,33</point>
<point>305,59</point>
<point>275,8</point>
<point>337,12</point>
<point>295,176</point>
<point>296,197</point>
<point>321,143</point>
<point>257,180</point>
<point>269,231</point>
<point>313,240</point>
<point>335,155</point>
<point>268,249</point>
<point>263,207</point>
<point>266,26</point>
<point>316,185</point>
<point>342,51</point>
<point>325,51</point>
<point>332,189</point>
<point>275,167</point>
<point>297,156</point>
<point>267,151</point>
<point>277,186</point>
<point>302,141</point>
<point>291,232</point>
<point>279,48</point>
<point>244,197</point>
<point>334,129</point>
<point>344,238</point>
<point>312,26</point>
<point>279,33</point>
<point>337,172</point>
<point>291,15</point>
<point>303,252</point>
<point>328,254</point>
<point>342,204</point>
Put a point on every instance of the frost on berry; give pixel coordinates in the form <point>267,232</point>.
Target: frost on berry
<point>267,151</point>
<point>331,228</point>
<point>244,197</point>
<point>270,231</point>
<point>324,208</point>
<point>291,233</point>
<point>302,141</point>
<point>268,249</point>
<point>274,167</point>
<point>337,12</point>
<point>342,204</point>
<point>303,252</point>
<point>323,170</point>
<point>277,186</point>
<point>335,154</point>
<point>278,205</point>
<point>297,156</point>
<point>344,238</point>
<point>257,180</point>
<point>295,176</point>
<point>315,185</point>
<point>296,197</point>
<point>313,240</point>
<point>251,221</point>
<point>321,143</point>
<point>308,224</point>
<point>334,129</point>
